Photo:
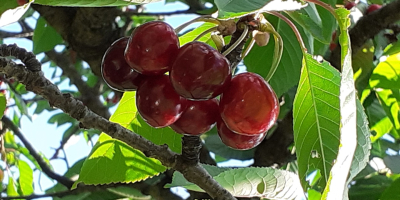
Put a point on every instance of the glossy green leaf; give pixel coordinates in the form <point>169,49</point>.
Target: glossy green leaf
<point>127,115</point>
<point>191,35</point>
<point>337,184</point>
<point>316,119</point>
<point>387,74</point>
<point>238,8</point>
<point>378,120</point>
<point>11,12</point>
<point>45,37</point>
<point>392,192</point>
<point>113,161</point>
<point>93,3</point>
<point>287,74</point>
<point>254,182</point>
<point>391,105</point>
<point>11,187</point>
<point>393,48</point>
<point>3,104</point>
<point>25,178</point>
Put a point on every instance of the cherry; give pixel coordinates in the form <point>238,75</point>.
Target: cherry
<point>200,72</point>
<point>372,8</point>
<point>158,103</point>
<point>238,141</point>
<point>152,48</point>
<point>22,2</point>
<point>198,118</point>
<point>249,105</point>
<point>350,5</point>
<point>115,71</point>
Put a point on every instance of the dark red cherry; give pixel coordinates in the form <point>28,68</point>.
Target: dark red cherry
<point>152,48</point>
<point>158,103</point>
<point>198,118</point>
<point>200,72</point>
<point>373,7</point>
<point>249,106</point>
<point>238,141</point>
<point>350,5</point>
<point>115,71</point>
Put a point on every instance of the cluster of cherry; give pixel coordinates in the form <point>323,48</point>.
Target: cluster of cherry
<point>185,97</point>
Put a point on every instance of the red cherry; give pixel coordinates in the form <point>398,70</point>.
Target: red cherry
<point>152,48</point>
<point>200,72</point>
<point>350,5</point>
<point>198,118</point>
<point>332,46</point>
<point>22,2</point>
<point>158,103</point>
<point>238,141</point>
<point>249,105</point>
<point>115,71</point>
<point>373,7</point>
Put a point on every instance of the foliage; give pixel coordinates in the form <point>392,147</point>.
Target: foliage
<point>343,120</point>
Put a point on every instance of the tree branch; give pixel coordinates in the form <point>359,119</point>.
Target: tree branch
<point>367,27</point>
<point>90,97</point>
<point>45,168</point>
<point>36,82</point>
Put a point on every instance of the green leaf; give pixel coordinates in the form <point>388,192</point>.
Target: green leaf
<point>369,188</point>
<point>113,161</point>
<point>238,8</point>
<point>392,49</point>
<point>60,119</point>
<point>127,115</point>
<point>392,192</point>
<point>378,120</point>
<point>287,74</point>
<point>130,192</point>
<point>191,35</point>
<point>11,12</point>
<point>11,187</point>
<point>3,104</point>
<point>253,182</point>
<point>316,119</point>
<point>391,105</point>
<point>178,180</point>
<point>45,37</point>
<point>25,178</point>
<point>387,74</point>
<point>93,3</point>
<point>337,184</point>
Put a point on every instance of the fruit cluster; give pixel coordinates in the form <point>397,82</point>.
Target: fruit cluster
<point>185,99</point>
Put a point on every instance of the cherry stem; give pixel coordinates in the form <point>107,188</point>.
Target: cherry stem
<point>237,42</point>
<point>294,28</point>
<point>248,48</point>
<point>218,41</point>
<point>326,6</point>
<point>205,32</point>
<point>278,50</point>
<point>205,18</point>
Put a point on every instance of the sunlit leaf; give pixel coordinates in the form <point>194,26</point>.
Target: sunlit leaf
<point>93,3</point>
<point>391,105</point>
<point>45,37</point>
<point>25,178</point>
<point>10,12</point>
<point>337,184</point>
<point>387,74</point>
<point>113,161</point>
<point>252,182</point>
<point>316,119</point>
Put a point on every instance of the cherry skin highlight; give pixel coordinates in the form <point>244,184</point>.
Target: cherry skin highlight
<point>200,72</point>
<point>198,118</point>
<point>152,48</point>
<point>249,105</point>
<point>238,141</point>
<point>115,70</point>
<point>158,103</point>
<point>372,8</point>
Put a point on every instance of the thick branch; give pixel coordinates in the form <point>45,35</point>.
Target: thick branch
<point>36,82</point>
<point>367,27</point>
<point>45,168</point>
